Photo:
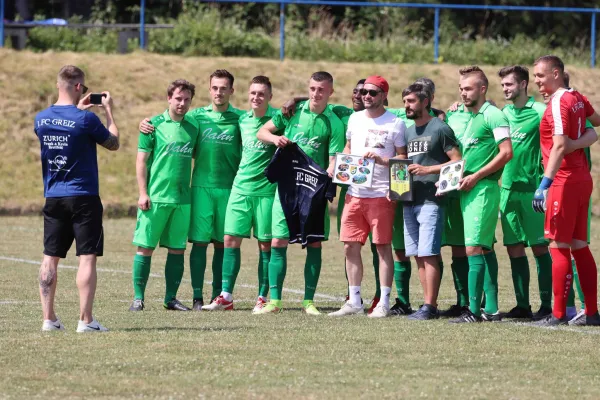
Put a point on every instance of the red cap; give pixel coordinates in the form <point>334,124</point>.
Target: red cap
<point>379,82</point>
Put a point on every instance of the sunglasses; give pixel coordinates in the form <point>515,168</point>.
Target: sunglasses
<point>372,92</point>
<point>84,88</point>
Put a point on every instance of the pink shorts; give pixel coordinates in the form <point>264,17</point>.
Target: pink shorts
<point>362,216</point>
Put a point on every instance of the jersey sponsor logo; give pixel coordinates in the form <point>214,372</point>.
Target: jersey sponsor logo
<point>59,163</point>
<point>67,123</point>
<point>184,150</point>
<point>304,141</point>
<point>56,142</point>
<point>376,138</point>
<point>471,142</point>
<point>221,137</point>
<point>517,135</point>
<point>255,145</point>
<point>419,146</point>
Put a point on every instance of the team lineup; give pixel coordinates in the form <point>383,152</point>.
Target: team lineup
<point>217,174</point>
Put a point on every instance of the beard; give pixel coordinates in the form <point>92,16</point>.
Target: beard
<point>415,114</point>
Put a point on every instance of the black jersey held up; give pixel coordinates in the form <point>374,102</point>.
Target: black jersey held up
<point>304,188</point>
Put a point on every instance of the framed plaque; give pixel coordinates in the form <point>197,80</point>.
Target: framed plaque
<point>353,170</point>
<point>450,176</point>
<point>400,180</point>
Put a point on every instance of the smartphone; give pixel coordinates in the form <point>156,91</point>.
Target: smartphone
<point>96,98</point>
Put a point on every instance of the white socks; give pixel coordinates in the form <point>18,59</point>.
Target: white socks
<point>355,298</point>
<point>385,295</point>
<point>227,296</point>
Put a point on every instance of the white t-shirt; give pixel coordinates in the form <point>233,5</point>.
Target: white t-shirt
<point>378,135</point>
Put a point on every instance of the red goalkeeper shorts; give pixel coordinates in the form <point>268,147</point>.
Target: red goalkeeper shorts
<point>567,212</point>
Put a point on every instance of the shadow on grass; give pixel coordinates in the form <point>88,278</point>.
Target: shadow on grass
<point>183,329</point>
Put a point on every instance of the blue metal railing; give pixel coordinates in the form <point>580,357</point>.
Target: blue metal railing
<point>436,24</point>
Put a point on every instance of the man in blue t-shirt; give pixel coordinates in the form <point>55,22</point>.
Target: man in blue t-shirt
<point>68,135</point>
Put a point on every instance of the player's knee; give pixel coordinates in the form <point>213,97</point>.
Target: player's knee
<point>474,251</point>
<point>142,251</point>
<point>401,256</point>
<point>539,251</point>
<point>516,251</point>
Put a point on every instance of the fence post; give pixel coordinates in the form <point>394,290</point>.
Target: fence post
<point>593,41</point>
<point>143,25</point>
<point>1,23</point>
<point>436,35</point>
<point>281,31</point>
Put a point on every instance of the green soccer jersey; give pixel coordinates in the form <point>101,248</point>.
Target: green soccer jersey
<point>171,147</point>
<point>256,155</point>
<point>524,172</point>
<point>319,135</point>
<point>479,142</point>
<point>218,157</point>
<point>343,113</point>
<point>588,154</point>
<point>401,113</point>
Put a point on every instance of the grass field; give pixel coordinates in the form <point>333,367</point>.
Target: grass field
<point>138,83</point>
<point>160,354</point>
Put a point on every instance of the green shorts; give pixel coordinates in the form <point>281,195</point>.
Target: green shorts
<point>165,223</point>
<point>249,213</point>
<point>480,213</point>
<point>520,224</point>
<point>454,230</point>
<point>398,231</point>
<point>279,228</point>
<point>208,214</point>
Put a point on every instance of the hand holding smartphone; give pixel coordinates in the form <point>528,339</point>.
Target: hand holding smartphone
<point>96,98</point>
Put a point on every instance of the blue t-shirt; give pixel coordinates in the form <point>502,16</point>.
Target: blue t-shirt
<point>68,138</point>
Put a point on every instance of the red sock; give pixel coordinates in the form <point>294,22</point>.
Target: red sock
<point>588,278</point>
<point>562,278</point>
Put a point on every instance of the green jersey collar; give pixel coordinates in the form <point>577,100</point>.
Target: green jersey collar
<point>530,102</point>
<point>210,108</point>
<point>306,108</point>
<point>270,112</point>
<point>167,117</point>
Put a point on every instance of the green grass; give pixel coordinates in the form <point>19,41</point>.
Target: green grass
<point>160,354</point>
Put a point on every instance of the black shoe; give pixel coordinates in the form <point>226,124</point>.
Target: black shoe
<point>425,312</point>
<point>542,313</point>
<point>401,308</point>
<point>175,305</point>
<point>497,317</point>
<point>466,317</point>
<point>550,320</point>
<point>137,305</point>
<point>454,311</point>
<point>585,320</point>
<point>198,303</point>
<point>519,313</point>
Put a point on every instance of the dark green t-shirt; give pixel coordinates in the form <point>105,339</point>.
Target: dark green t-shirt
<point>427,145</point>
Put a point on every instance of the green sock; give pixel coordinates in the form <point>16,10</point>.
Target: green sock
<point>231,267</point>
<point>520,276</point>
<point>173,274</point>
<point>402,272</point>
<point>544,273</point>
<point>476,276</point>
<point>490,282</point>
<point>312,270</point>
<point>263,273</point>
<point>578,287</point>
<point>217,272</point>
<point>460,274</point>
<point>141,272</point>
<point>277,270</point>
<point>197,269</point>
<point>376,270</point>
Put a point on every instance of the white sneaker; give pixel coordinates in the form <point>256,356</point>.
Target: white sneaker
<point>380,311</point>
<point>579,315</point>
<point>347,309</point>
<point>48,325</point>
<point>93,326</point>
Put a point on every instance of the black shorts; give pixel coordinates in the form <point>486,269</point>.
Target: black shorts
<point>68,218</point>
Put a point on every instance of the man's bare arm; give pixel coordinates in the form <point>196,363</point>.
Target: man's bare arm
<point>594,119</point>
<point>588,138</point>
<point>266,134</point>
<point>557,154</point>
<point>141,173</point>
<point>112,143</point>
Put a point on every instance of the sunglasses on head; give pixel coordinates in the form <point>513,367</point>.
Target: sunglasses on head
<point>372,92</point>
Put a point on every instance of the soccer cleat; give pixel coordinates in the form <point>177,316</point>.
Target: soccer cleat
<point>550,320</point>
<point>424,313</point>
<point>579,315</point>
<point>585,320</point>
<point>401,308</point>
<point>381,311</point>
<point>137,305</point>
<point>466,317</point>
<point>519,313</point>
<point>260,304</point>
<point>347,309</point>
<point>496,317</point>
<point>219,304</point>
<point>309,308</point>
<point>271,308</point>
<point>542,313</point>
<point>373,304</point>
<point>175,305</point>
<point>49,326</point>
<point>93,326</point>
<point>198,304</point>
<point>454,311</point>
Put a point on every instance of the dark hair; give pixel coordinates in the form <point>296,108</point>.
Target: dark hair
<point>222,73</point>
<point>567,78</point>
<point>418,89</point>
<point>262,80</point>
<point>181,84</point>
<point>475,70</point>
<point>322,76</point>
<point>553,61</point>
<point>520,72</point>
<point>361,82</point>
<point>71,74</point>
<point>428,84</point>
